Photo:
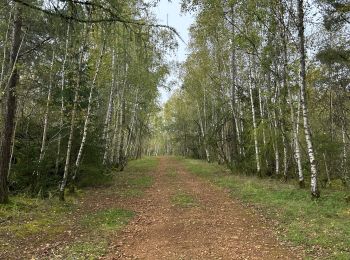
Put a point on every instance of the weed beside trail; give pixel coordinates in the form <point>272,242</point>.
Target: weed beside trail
<point>322,226</point>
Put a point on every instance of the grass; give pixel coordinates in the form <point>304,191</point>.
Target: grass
<point>146,164</point>
<point>85,250</point>
<point>172,174</point>
<point>107,220</point>
<point>33,215</point>
<point>25,217</point>
<point>322,225</point>
<point>136,177</point>
<point>183,200</point>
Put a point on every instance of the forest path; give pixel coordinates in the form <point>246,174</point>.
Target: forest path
<point>184,217</point>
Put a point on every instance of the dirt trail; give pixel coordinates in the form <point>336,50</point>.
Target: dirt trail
<point>217,227</point>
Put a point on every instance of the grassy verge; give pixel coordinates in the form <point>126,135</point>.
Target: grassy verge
<point>322,226</point>
<point>103,224</point>
<point>25,218</point>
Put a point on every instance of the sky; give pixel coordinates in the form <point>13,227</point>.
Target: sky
<point>181,22</point>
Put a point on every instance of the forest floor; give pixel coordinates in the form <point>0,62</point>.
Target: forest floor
<point>164,208</point>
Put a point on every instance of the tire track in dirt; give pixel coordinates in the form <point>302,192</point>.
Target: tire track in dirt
<point>219,227</point>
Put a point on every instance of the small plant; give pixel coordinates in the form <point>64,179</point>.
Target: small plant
<point>184,200</point>
<point>108,220</point>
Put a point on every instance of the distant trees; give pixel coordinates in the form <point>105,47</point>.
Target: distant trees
<point>249,81</point>
<point>79,80</point>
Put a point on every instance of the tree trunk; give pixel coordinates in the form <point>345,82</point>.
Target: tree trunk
<point>12,146</point>
<point>62,100</point>
<point>72,123</point>
<point>109,110</point>
<point>9,120</point>
<point>345,177</point>
<point>255,130</point>
<point>315,193</point>
<point>5,56</point>
<point>46,119</point>
<point>87,117</point>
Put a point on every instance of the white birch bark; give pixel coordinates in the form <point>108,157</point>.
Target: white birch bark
<point>344,159</point>
<point>314,182</point>
<point>255,134</point>
<point>46,117</point>
<point>88,113</point>
<point>115,132</point>
<point>63,78</point>
<point>109,110</point>
<point>72,122</point>
<point>120,126</point>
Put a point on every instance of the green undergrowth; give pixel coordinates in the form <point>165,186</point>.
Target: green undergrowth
<point>183,200</point>
<point>107,220</point>
<point>137,176</point>
<point>146,164</point>
<point>92,176</point>
<point>83,250</point>
<point>27,217</point>
<point>321,225</point>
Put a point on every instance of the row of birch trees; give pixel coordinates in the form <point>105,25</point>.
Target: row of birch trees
<point>266,89</point>
<point>78,84</point>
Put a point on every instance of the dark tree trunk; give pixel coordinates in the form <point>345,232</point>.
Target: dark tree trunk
<point>9,116</point>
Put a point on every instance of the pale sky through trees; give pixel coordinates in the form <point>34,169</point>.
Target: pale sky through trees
<point>181,22</point>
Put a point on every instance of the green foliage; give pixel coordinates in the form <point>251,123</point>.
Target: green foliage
<point>92,175</point>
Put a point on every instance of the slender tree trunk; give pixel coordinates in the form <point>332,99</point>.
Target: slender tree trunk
<point>201,124</point>
<point>72,123</point>
<point>5,149</point>
<point>120,126</point>
<point>63,77</point>
<point>295,135</point>
<point>314,182</point>
<point>115,132</point>
<point>132,124</point>
<point>12,146</point>
<point>122,159</point>
<point>5,56</point>
<point>344,161</point>
<point>87,116</point>
<point>46,118</point>
<point>327,170</point>
<point>255,130</point>
<point>236,144</point>
<point>109,109</point>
